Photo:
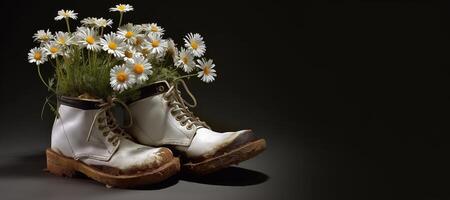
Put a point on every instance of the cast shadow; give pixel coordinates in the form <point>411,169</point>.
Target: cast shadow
<point>231,176</point>
<point>158,186</point>
<point>32,165</point>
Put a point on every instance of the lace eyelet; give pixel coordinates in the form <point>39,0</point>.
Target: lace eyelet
<point>183,123</point>
<point>189,127</point>
<point>105,134</point>
<point>160,88</point>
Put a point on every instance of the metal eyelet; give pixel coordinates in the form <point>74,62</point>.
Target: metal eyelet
<point>160,88</point>
<point>105,134</point>
<point>183,123</point>
<point>189,127</point>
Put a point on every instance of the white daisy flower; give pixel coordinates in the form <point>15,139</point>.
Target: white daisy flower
<point>145,52</point>
<point>43,36</point>
<point>53,49</point>
<point>65,14</point>
<point>208,72</point>
<point>129,54</point>
<point>87,37</point>
<point>113,45</point>
<point>89,21</point>
<point>140,67</point>
<point>129,33</point>
<point>37,55</point>
<point>63,38</point>
<point>103,23</point>
<point>122,8</point>
<point>140,42</point>
<point>153,28</point>
<point>195,43</point>
<point>121,78</point>
<point>172,49</point>
<point>185,60</point>
<point>157,45</point>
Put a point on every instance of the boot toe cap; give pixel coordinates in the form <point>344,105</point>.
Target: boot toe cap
<point>164,155</point>
<point>243,137</point>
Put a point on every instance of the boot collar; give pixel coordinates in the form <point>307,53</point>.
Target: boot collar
<point>152,90</point>
<point>84,104</point>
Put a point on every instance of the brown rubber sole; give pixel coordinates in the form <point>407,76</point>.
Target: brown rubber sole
<point>64,166</point>
<point>235,156</point>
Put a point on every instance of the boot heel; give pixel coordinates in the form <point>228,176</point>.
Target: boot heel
<point>59,165</point>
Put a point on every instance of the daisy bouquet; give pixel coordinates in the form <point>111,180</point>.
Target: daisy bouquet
<point>97,60</point>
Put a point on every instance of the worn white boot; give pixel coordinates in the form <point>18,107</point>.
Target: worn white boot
<point>83,141</point>
<point>161,118</point>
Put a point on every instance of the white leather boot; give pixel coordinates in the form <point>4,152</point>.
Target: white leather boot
<point>162,118</point>
<point>83,141</point>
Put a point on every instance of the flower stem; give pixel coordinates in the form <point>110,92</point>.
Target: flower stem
<point>120,20</point>
<point>186,76</point>
<point>42,79</point>
<point>101,31</point>
<point>67,23</point>
<point>109,59</point>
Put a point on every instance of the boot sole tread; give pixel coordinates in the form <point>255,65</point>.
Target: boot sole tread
<point>235,156</point>
<point>64,166</point>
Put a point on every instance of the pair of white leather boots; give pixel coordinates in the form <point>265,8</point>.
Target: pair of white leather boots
<point>86,138</point>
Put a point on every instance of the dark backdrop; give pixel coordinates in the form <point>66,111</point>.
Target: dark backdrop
<point>352,96</point>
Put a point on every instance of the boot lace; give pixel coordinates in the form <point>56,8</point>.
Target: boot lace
<point>107,123</point>
<point>179,107</point>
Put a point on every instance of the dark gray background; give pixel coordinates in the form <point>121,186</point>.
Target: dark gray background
<point>352,97</point>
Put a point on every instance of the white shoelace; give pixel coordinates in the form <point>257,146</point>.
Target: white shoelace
<point>108,124</point>
<point>179,107</point>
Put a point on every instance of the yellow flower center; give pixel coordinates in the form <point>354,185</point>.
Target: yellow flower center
<point>62,40</point>
<point>37,55</point>
<point>154,29</point>
<point>138,68</point>
<point>53,49</point>
<point>112,45</point>
<point>121,7</point>
<point>155,43</point>
<point>194,44</point>
<point>206,70</point>
<point>129,34</point>
<point>185,60</point>
<point>122,76</point>
<point>90,39</point>
<point>128,54</point>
